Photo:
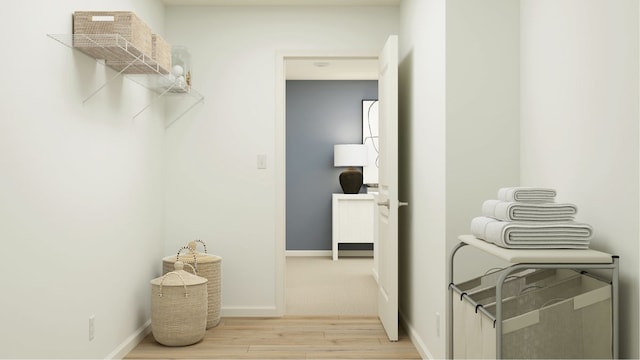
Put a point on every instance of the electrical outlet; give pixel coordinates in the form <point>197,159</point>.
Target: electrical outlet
<point>92,327</point>
<point>438,324</point>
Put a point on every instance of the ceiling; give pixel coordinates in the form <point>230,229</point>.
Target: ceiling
<point>283,2</point>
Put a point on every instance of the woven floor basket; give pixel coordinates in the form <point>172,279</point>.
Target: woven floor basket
<point>209,267</point>
<point>178,308</point>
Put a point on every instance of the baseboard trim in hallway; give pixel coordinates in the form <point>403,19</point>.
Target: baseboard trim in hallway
<point>308,253</point>
<point>414,337</point>
<point>131,342</point>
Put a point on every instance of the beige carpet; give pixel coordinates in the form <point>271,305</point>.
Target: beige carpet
<point>321,286</point>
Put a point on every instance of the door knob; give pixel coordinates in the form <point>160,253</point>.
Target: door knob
<point>386,203</point>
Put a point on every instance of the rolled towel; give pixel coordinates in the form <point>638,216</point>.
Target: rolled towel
<point>518,211</point>
<point>526,194</point>
<point>528,235</point>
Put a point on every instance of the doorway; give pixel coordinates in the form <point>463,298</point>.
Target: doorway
<point>305,66</point>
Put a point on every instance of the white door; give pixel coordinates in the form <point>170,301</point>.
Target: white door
<point>388,189</point>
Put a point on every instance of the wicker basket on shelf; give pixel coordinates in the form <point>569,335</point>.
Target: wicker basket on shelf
<point>158,61</point>
<point>161,53</point>
<point>111,35</point>
<point>207,266</point>
<point>178,307</point>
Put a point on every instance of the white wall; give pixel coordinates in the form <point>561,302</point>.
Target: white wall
<point>483,111</point>
<point>214,190</point>
<point>80,188</point>
<point>578,133</point>
<point>422,177</point>
<point>460,112</point>
<point>580,125</point>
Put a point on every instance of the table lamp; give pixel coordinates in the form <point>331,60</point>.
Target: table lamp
<point>350,156</point>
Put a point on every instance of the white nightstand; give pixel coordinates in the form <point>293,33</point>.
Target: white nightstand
<point>353,218</point>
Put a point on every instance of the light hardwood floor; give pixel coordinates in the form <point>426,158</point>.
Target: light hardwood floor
<point>290,337</point>
<point>331,309</point>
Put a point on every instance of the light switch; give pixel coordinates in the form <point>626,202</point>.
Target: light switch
<point>262,161</point>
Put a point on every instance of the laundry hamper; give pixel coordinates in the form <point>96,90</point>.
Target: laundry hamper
<point>207,266</point>
<point>482,291</point>
<point>516,281</point>
<point>570,319</point>
<point>178,307</point>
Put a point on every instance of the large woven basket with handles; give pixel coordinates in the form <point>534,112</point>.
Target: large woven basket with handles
<point>178,307</point>
<point>207,266</point>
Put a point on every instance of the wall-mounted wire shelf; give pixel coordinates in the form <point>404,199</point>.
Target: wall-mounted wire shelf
<point>119,54</point>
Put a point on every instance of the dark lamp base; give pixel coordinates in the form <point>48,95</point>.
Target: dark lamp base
<point>351,181</point>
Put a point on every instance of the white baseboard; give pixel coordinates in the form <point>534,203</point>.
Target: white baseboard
<point>329,253</point>
<point>316,253</point>
<point>415,338</point>
<point>242,311</point>
<point>131,342</point>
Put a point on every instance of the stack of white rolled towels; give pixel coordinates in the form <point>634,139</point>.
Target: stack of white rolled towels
<point>529,218</point>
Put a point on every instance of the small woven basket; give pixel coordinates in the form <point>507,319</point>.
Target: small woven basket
<point>178,307</point>
<point>207,266</point>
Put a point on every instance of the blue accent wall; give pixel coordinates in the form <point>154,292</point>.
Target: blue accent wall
<point>319,114</point>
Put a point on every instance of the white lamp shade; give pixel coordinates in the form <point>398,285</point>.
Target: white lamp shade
<point>349,155</point>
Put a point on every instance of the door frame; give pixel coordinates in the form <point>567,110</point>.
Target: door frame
<point>280,212</point>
